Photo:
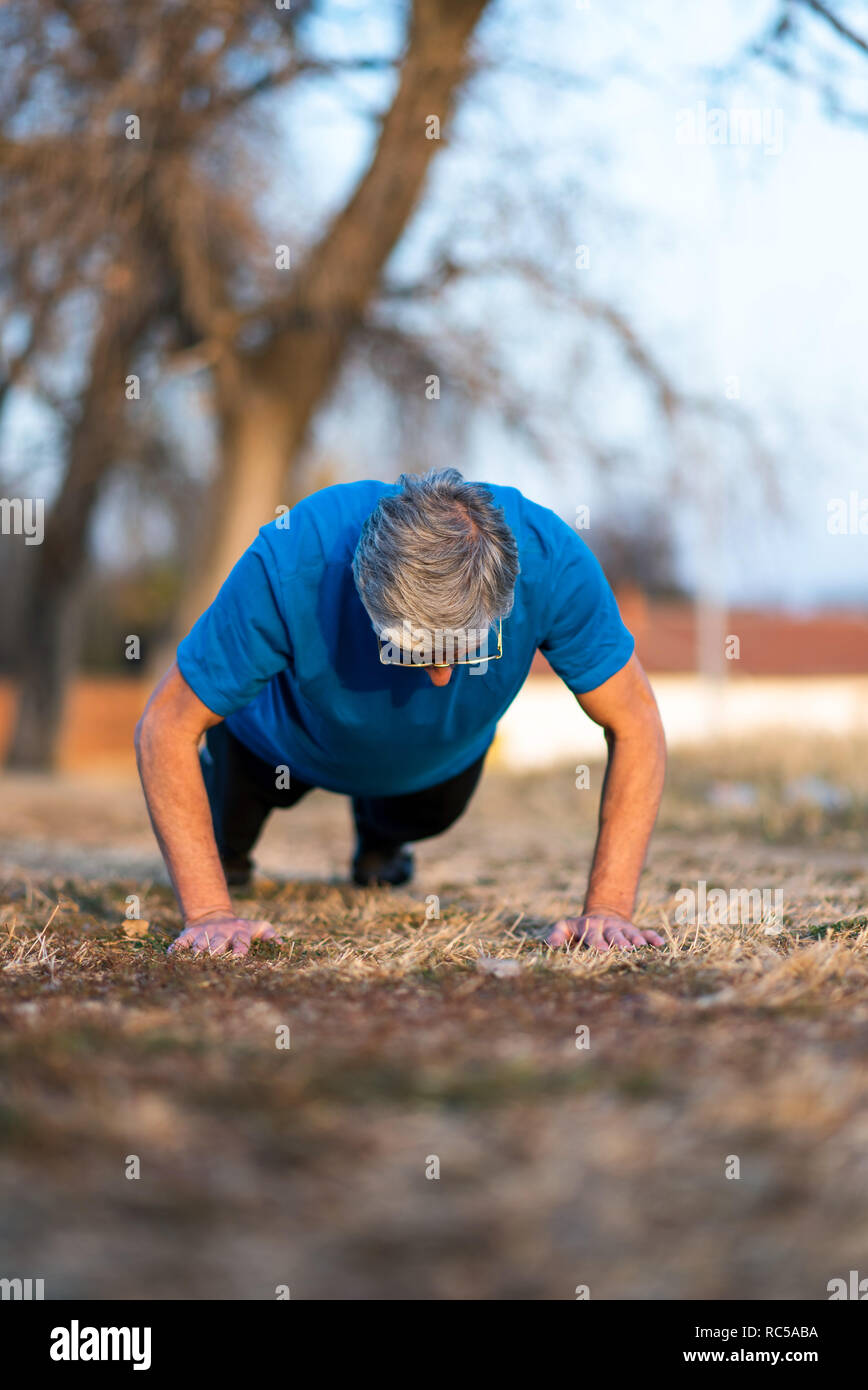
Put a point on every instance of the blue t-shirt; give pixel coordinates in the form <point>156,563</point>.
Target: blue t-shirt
<point>287,653</point>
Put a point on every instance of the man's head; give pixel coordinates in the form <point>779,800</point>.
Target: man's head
<point>435,558</point>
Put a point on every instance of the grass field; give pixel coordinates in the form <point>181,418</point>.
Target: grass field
<point>559,1166</point>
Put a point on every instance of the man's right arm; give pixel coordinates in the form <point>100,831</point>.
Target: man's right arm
<point>167,751</point>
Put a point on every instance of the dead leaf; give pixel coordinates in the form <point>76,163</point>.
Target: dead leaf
<point>502,969</point>
<point>136,926</point>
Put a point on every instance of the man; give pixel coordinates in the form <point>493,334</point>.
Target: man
<point>370,647</point>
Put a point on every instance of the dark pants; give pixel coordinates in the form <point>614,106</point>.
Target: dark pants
<point>242,793</point>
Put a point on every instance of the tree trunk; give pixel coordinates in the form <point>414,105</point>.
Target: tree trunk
<point>47,657</point>
<point>269,396</point>
<point>257,442</point>
<point>48,632</point>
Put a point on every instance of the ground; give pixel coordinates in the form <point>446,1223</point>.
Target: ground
<point>737,1049</point>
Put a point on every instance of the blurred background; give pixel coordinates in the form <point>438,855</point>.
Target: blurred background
<point>610,256</point>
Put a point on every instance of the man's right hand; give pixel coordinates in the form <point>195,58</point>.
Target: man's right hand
<point>220,932</point>
<point>600,931</point>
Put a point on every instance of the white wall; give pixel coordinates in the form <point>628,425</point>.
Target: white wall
<point>545,725</point>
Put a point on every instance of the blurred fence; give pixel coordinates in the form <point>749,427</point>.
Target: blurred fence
<point>544,726</point>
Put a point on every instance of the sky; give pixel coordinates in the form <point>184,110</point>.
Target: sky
<point>740,262</point>
<point>766,280</point>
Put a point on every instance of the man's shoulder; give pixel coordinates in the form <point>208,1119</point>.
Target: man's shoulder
<point>535,526</point>
<point>340,504</point>
<point>322,528</point>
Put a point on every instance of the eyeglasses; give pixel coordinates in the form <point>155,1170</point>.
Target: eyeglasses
<point>396,654</point>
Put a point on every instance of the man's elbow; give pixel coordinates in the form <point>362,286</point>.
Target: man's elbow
<point>141,734</point>
<point>652,725</point>
<point>645,728</point>
<point>147,731</point>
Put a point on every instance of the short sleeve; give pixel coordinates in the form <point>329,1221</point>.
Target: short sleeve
<point>241,641</point>
<point>585,640</point>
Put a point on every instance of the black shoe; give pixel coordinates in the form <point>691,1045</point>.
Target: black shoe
<point>239,872</point>
<point>372,867</point>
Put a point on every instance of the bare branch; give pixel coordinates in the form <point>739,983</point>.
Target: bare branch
<point>835,22</point>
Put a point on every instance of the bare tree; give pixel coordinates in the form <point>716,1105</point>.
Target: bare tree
<point>89,209</point>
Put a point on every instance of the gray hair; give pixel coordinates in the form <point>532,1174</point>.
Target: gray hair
<point>438,554</point>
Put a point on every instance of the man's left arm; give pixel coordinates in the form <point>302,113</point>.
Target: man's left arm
<point>625,707</point>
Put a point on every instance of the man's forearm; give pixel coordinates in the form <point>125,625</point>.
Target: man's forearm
<point>631,795</point>
<point>181,817</point>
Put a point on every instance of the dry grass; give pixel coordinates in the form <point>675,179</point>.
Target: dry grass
<point>559,1166</point>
